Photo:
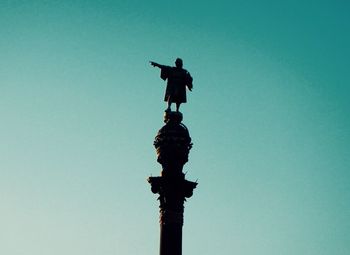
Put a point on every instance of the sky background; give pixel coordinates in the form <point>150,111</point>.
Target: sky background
<point>269,118</point>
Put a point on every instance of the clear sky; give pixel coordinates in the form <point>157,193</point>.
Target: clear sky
<point>269,118</point>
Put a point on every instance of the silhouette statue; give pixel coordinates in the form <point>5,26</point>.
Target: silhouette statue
<point>177,81</point>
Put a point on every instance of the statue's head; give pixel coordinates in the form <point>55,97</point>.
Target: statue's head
<point>178,62</point>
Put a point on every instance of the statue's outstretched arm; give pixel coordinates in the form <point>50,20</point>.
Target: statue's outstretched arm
<point>156,64</point>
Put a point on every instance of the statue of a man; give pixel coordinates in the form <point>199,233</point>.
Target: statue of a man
<point>177,81</point>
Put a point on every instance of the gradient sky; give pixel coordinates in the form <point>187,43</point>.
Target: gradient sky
<point>269,118</point>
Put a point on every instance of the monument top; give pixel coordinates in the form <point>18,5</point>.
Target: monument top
<point>177,81</point>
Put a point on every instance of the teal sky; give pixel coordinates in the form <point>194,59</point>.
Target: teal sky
<point>269,118</point>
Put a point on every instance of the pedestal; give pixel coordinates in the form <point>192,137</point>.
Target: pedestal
<point>172,144</point>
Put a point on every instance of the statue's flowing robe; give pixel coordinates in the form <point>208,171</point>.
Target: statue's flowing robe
<point>177,80</point>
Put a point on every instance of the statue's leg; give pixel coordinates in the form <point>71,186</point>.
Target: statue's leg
<point>177,106</point>
<point>169,105</point>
